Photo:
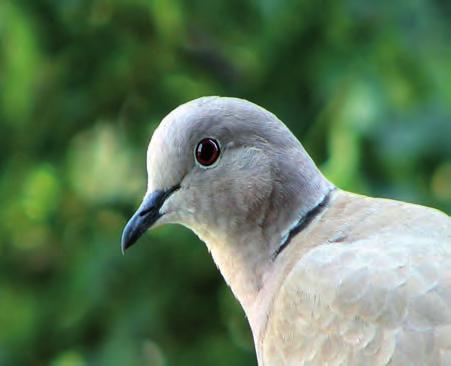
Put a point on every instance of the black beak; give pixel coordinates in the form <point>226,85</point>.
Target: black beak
<point>146,215</point>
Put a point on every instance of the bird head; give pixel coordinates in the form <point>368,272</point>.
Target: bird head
<point>218,165</point>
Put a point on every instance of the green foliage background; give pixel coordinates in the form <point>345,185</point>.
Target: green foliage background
<point>365,85</point>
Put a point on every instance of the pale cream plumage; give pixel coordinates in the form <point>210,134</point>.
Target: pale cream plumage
<point>367,283</point>
<point>325,277</point>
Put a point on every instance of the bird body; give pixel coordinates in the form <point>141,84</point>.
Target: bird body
<point>367,283</point>
<point>325,277</point>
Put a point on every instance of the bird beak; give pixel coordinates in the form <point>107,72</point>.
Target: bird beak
<point>146,215</point>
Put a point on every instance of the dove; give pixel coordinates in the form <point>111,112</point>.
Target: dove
<point>324,276</point>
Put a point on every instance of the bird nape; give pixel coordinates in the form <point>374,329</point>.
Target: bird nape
<point>360,280</point>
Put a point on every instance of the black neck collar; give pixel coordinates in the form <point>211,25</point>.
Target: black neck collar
<point>303,222</point>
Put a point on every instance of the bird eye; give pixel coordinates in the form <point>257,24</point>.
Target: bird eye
<point>207,151</point>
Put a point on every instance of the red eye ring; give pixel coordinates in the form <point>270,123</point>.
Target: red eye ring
<point>207,151</point>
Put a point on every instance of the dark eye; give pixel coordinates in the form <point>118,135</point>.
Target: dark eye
<point>207,151</point>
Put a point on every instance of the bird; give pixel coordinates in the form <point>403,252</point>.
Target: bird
<point>324,276</point>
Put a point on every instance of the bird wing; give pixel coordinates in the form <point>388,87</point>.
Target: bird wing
<point>380,300</point>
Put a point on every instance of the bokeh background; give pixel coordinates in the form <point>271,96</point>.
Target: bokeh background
<point>365,85</point>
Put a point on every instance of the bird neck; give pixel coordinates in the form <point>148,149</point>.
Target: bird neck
<point>242,264</point>
<point>246,254</point>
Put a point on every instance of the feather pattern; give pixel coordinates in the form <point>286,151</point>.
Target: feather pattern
<point>376,298</point>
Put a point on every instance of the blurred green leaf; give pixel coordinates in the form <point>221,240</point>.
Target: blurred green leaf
<point>366,86</point>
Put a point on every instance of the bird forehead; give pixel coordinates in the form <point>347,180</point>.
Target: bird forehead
<point>167,159</point>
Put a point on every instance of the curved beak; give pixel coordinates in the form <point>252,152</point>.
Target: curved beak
<point>146,215</point>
